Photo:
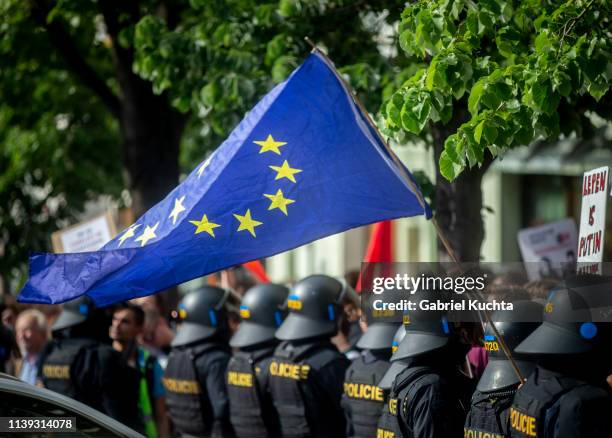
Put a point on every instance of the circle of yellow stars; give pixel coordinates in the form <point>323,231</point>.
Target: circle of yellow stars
<point>245,221</point>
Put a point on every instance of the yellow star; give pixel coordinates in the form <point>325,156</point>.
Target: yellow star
<point>279,201</point>
<point>178,208</point>
<point>147,234</point>
<point>204,225</point>
<point>285,171</point>
<point>129,233</point>
<point>247,223</point>
<point>269,144</point>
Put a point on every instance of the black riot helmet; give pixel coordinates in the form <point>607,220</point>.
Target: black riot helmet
<point>202,315</point>
<point>397,366</point>
<point>426,331</point>
<point>378,336</point>
<point>262,311</point>
<point>80,318</point>
<point>514,326</point>
<point>314,304</point>
<point>74,313</point>
<point>567,326</point>
<point>381,328</point>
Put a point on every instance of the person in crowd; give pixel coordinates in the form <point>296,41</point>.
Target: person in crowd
<point>194,378</point>
<point>353,310</point>
<point>496,388</point>
<point>9,352</point>
<point>156,335</point>
<point>32,336</point>
<point>127,324</point>
<point>9,315</point>
<point>78,365</point>
<point>307,370</point>
<point>539,289</point>
<point>252,410</point>
<point>363,399</point>
<point>430,397</point>
<point>567,394</point>
<point>237,280</point>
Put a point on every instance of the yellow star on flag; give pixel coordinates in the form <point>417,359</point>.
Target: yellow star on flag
<point>247,222</point>
<point>178,208</point>
<point>285,171</point>
<point>128,233</point>
<point>269,144</point>
<point>279,201</point>
<point>147,234</point>
<point>205,225</point>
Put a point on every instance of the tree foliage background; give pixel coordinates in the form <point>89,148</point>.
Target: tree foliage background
<point>98,96</point>
<point>499,74</point>
<point>121,96</point>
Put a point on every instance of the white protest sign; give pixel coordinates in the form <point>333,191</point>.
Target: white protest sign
<point>89,235</point>
<point>593,219</point>
<point>547,248</point>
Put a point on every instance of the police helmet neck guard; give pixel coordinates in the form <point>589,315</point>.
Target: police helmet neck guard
<point>202,314</point>
<point>567,328</point>
<point>314,305</point>
<point>262,311</point>
<point>73,313</point>
<point>514,326</point>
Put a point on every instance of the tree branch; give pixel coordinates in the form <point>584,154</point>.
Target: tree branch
<point>65,45</point>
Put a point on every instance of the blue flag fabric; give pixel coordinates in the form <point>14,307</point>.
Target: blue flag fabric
<point>303,164</point>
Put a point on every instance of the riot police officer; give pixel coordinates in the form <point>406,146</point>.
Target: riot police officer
<point>79,366</point>
<point>307,371</point>
<point>363,399</point>
<point>496,388</point>
<point>387,423</point>
<point>252,410</point>
<point>194,378</point>
<point>566,395</point>
<point>430,397</point>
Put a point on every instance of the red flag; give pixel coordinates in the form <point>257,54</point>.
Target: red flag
<point>257,269</point>
<point>380,247</point>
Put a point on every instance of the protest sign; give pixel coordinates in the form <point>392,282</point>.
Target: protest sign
<point>593,220</point>
<point>547,248</point>
<point>85,236</point>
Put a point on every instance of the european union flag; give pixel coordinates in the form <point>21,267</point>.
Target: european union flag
<point>303,164</point>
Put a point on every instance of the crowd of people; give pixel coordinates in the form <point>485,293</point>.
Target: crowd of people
<point>265,360</point>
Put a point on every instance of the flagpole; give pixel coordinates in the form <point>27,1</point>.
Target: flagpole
<point>419,196</point>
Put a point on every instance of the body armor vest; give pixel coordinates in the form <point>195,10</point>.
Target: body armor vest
<point>290,371</point>
<point>488,415</point>
<point>185,397</point>
<point>364,398</point>
<point>389,424</point>
<point>248,413</point>
<point>533,409</point>
<point>58,368</point>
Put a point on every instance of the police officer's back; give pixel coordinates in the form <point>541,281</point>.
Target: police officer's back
<point>252,410</point>
<point>78,365</point>
<point>307,371</point>
<point>430,397</point>
<point>363,399</point>
<point>567,395</point>
<point>387,423</point>
<point>496,388</point>
<point>194,377</point>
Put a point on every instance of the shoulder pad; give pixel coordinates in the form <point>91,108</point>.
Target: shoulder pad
<point>321,358</point>
<point>408,376</point>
